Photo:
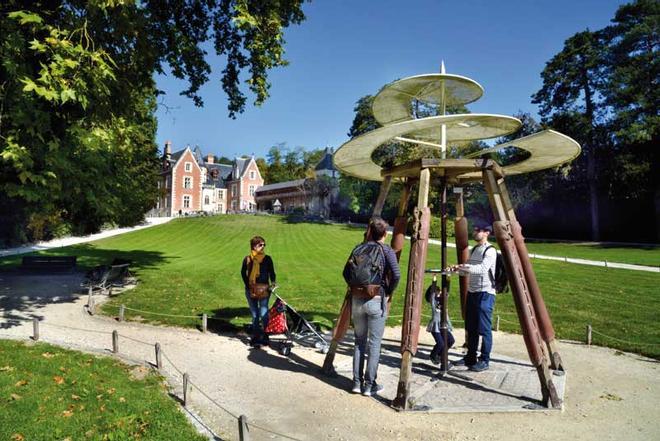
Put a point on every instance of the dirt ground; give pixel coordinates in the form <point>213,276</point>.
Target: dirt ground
<point>609,395</point>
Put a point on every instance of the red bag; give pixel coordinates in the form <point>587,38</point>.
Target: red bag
<point>276,321</point>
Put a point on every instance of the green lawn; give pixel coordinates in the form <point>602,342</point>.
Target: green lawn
<point>191,266</point>
<point>51,393</point>
<point>636,255</point>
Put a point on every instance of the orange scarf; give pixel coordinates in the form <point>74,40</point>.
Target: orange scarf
<point>256,257</point>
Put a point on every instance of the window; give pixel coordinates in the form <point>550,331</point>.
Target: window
<point>251,190</point>
<point>207,200</point>
<point>187,182</point>
<point>253,175</point>
<point>220,207</point>
<point>188,166</point>
<point>186,201</point>
<point>233,189</point>
<point>233,205</point>
<point>168,181</point>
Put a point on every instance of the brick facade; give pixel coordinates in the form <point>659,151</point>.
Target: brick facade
<point>190,183</point>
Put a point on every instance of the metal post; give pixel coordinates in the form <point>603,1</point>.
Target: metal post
<point>243,431</point>
<point>121,312</point>
<point>185,389</point>
<point>115,342</point>
<point>159,357</point>
<point>497,323</point>
<point>204,322</point>
<point>445,279</point>
<point>35,329</point>
<point>588,335</point>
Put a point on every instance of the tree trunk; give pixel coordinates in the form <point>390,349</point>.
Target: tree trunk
<point>591,158</point>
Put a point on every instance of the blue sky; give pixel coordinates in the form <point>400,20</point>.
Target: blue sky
<point>350,48</point>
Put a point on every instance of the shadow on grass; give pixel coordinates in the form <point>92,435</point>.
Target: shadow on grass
<point>24,294</point>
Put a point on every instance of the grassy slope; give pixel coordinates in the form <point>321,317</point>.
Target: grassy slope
<point>636,255</point>
<point>191,266</point>
<point>50,393</point>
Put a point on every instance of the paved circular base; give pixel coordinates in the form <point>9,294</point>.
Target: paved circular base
<point>509,385</point>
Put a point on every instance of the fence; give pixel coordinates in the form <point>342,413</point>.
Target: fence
<point>244,426</point>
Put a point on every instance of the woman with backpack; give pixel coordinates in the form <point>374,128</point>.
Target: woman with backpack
<point>372,273</point>
<point>258,275</point>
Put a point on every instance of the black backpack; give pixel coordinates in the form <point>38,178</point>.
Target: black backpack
<point>366,265</point>
<point>499,279</point>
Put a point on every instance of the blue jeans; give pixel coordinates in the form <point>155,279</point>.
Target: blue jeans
<point>440,342</point>
<point>478,322</point>
<point>369,325</point>
<point>258,309</point>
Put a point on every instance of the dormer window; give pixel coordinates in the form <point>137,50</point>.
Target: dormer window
<point>253,175</point>
<point>188,166</point>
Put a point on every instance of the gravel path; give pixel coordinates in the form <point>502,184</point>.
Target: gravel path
<point>610,395</point>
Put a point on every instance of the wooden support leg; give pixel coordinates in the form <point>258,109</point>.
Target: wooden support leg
<point>414,288</point>
<point>540,310</point>
<point>344,319</point>
<point>536,348</point>
<point>525,310</point>
<point>343,322</point>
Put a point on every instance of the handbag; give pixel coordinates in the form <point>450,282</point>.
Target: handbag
<point>259,291</point>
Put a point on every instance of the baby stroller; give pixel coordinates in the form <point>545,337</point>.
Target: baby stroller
<point>285,321</point>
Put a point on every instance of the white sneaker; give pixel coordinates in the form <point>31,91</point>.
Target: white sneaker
<point>375,388</point>
<point>357,388</point>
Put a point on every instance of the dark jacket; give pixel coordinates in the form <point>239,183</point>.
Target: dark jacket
<point>266,271</point>
<point>391,275</point>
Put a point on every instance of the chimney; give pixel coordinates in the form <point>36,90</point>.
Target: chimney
<point>168,149</point>
<point>209,159</point>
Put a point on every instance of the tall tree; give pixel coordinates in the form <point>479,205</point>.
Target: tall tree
<point>77,97</point>
<point>573,82</point>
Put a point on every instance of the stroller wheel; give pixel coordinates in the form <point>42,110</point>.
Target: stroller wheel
<point>285,350</point>
<point>325,349</point>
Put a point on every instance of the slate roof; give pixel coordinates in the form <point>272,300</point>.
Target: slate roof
<point>326,163</point>
<point>280,185</point>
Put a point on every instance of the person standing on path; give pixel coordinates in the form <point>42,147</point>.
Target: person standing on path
<point>258,273</point>
<point>372,273</point>
<point>480,300</point>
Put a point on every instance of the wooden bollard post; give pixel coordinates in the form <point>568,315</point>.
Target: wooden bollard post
<point>243,432</point>
<point>115,342</point>
<point>185,389</point>
<point>588,335</point>
<point>204,322</point>
<point>497,323</point>
<point>159,357</point>
<point>90,301</point>
<point>122,309</point>
<point>35,329</point>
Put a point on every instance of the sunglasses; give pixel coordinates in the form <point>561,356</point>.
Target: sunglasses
<point>260,245</point>
<point>481,229</point>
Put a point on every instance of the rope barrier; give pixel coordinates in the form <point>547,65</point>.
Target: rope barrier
<point>136,340</point>
<point>212,400</point>
<point>274,433</point>
<point>164,315</point>
<point>624,341</point>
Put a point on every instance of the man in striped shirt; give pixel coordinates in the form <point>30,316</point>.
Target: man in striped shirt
<point>481,299</point>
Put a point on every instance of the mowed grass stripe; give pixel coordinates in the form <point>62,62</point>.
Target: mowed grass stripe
<point>190,266</point>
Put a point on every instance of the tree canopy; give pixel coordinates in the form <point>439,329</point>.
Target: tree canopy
<point>78,98</point>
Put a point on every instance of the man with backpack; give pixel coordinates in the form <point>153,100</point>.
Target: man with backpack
<point>482,269</point>
<point>372,273</point>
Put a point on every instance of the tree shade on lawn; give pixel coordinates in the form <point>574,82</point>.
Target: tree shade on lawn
<point>191,266</point>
